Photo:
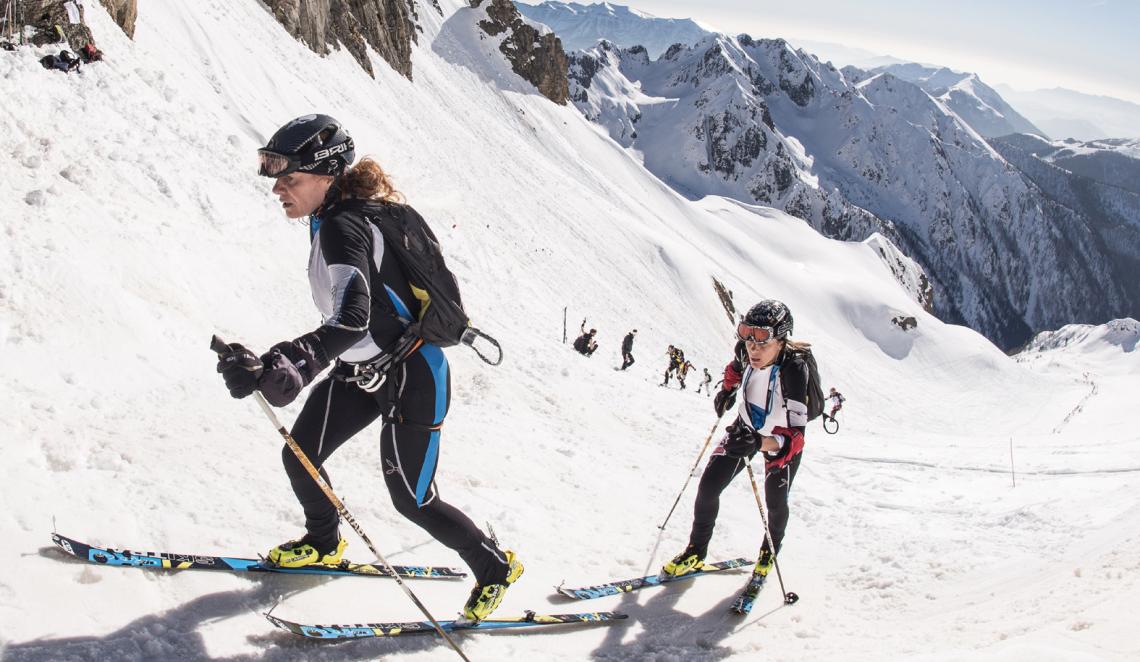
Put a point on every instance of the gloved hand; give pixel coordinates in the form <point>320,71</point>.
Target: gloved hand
<point>740,441</point>
<point>289,367</point>
<point>793,446</point>
<point>241,369</point>
<point>723,400</point>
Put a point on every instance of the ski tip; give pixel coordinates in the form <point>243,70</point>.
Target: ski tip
<point>791,598</point>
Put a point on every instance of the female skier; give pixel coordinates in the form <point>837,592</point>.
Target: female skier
<point>772,375</point>
<point>366,303</point>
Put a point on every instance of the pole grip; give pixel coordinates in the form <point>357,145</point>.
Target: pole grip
<point>218,346</point>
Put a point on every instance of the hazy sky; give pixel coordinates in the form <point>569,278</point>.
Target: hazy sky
<point>1086,45</point>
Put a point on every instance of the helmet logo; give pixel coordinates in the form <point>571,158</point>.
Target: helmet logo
<point>327,152</point>
<point>300,120</point>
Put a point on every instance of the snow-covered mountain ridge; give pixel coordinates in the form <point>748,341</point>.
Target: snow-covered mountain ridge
<point>1112,161</point>
<point>855,153</point>
<point>978,104</point>
<point>580,26</point>
<point>135,227</point>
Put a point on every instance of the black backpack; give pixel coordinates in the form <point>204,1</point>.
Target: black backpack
<point>815,399</point>
<point>443,321</point>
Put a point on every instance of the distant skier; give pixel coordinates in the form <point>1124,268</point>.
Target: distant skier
<point>683,371</point>
<point>585,343</point>
<point>627,350</point>
<point>706,383</point>
<point>366,303</point>
<point>835,399</point>
<point>676,359</point>
<point>773,377</point>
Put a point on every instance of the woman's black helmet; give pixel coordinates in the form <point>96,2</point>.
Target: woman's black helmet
<point>773,315</point>
<point>314,144</point>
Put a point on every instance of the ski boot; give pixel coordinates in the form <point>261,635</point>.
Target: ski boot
<point>486,599</point>
<point>743,603</point>
<point>684,563</point>
<point>306,551</point>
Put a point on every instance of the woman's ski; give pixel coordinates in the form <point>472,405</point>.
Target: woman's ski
<point>170,561</point>
<point>627,585</point>
<point>365,630</point>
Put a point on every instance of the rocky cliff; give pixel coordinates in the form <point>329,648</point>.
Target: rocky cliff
<point>536,57</point>
<point>385,25</point>
<point>124,12</point>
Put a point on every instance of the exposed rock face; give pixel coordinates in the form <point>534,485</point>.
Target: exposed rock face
<point>124,12</point>
<point>905,270</point>
<point>538,58</point>
<point>1105,211</point>
<point>385,25</point>
<point>52,23</point>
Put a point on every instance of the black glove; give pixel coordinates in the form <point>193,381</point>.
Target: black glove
<point>289,367</point>
<point>723,401</point>
<point>740,441</point>
<point>241,369</point>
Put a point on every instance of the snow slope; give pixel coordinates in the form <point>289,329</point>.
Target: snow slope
<point>134,228</point>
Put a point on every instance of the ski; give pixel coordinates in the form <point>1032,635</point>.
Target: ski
<point>627,585</point>
<point>365,630</point>
<point>170,561</point>
<point>743,603</point>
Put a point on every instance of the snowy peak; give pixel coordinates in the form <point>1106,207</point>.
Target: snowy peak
<point>1118,335</point>
<point>856,153</point>
<point>581,26</point>
<point>1108,348</point>
<point>965,94</point>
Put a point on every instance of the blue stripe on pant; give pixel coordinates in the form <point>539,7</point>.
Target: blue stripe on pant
<point>408,453</point>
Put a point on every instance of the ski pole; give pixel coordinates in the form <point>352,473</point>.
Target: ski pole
<point>691,472</point>
<point>220,348</point>
<point>789,597</point>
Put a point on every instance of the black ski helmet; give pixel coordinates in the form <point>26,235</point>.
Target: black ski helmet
<point>772,314</point>
<point>314,144</point>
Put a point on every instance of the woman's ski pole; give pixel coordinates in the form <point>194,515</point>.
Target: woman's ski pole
<point>220,348</point>
<point>789,597</point>
<point>692,472</point>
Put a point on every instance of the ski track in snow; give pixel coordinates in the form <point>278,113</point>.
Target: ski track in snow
<point>134,228</point>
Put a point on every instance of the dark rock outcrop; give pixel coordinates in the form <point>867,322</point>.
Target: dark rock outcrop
<point>538,58</point>
<point>123,12</point>
<point>905,323</point>
<point>385,25</point>
<point>52,24</point>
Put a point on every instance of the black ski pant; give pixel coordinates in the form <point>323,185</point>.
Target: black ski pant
<point>626,360</point>
<point>337,410</point>
<point>719,472</point>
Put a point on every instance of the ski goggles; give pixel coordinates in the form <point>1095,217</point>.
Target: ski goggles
<point>759,335</point>
<point>272,164</point>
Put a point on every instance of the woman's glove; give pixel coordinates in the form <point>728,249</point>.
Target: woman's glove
<point>288,368</point>
<point>241,369</point>
<point>793,446</point>
<point>740,441</point>
<point>723,400</point>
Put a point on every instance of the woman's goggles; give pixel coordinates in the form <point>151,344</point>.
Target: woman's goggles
<point>272,164</point>
<point>759,335</point>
